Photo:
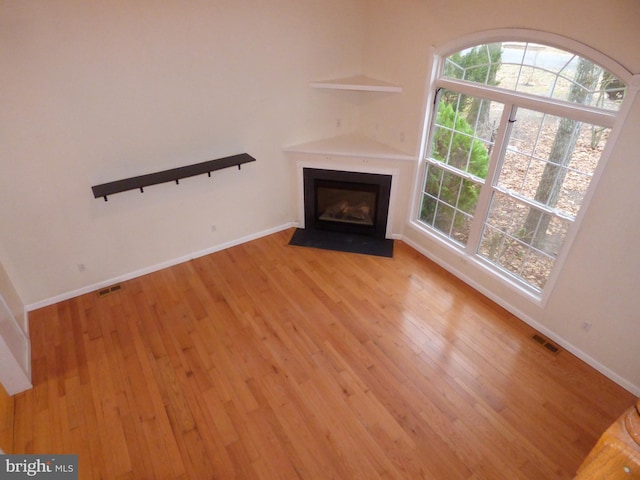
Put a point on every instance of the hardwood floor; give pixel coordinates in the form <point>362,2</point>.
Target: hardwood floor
<point>270,361</point>
<point>6,421</point>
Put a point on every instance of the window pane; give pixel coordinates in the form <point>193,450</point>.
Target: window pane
<point>551,160</point>
<point>478,64</point>
<point>434,180</point>
<point>464,131</point>
<point>462,138</point>
<point>468,196</point>
<point>443,220</point>
<point>538,70</point>
<point>448,203</point>
<point>428,210</point>
<point>522,240</point>
<point>536,268</point>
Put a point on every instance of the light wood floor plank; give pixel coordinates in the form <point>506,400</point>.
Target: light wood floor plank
<point>269,361</point>
<point>7,410</point>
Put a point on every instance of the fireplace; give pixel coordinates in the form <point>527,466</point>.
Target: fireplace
<point>346,202</point>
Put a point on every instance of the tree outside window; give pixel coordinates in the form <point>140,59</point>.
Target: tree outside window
<point>554,109</point>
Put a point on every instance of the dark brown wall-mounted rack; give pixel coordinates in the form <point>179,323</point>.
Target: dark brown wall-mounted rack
<point>173,175</point>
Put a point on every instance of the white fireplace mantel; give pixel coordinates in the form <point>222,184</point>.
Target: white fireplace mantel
<point>350,153</point>
<point>350,145</point>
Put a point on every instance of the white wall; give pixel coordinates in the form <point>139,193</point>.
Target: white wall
<point>599,282</point>
<point>98,91</point>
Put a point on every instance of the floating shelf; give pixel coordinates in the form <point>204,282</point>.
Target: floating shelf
<point>172,175</point>
<point>358,82</point>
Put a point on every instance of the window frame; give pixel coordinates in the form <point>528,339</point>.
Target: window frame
<point>513,99</point>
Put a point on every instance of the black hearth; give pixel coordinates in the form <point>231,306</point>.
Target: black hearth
<point>345,211</point>
<point>346,202</point>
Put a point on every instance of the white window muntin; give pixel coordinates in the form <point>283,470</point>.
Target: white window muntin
<point>611,119</point>
<point>582,113</point>
<point>511,101</point>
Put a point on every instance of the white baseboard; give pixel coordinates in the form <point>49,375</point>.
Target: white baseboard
<point>154,268</point>
<point>624,383</point>
<point>634,389</point>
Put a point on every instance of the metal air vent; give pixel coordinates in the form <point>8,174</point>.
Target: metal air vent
<point>547,344</point>
<point>106,291</point>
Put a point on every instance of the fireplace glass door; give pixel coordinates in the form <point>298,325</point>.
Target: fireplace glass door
<point>346,202</point>
<point>346,205</point>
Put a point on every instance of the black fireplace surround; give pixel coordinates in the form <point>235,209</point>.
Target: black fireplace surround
<point>346,202</point>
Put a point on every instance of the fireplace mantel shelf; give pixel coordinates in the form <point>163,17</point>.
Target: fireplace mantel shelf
<point>357,82</point>
<point>350,145</point>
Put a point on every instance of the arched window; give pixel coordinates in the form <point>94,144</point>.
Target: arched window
<point>513,141</point>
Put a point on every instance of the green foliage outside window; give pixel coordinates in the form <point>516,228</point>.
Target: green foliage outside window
<point>454,144</point>
<point>454,140</point>
<point>477,65</point>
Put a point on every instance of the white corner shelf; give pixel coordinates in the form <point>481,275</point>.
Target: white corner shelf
<point>350,145</point>
<point>358,82</point>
